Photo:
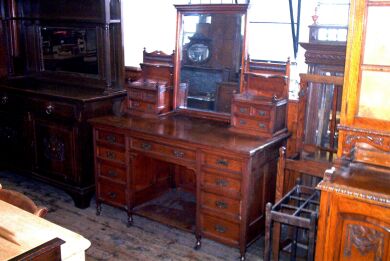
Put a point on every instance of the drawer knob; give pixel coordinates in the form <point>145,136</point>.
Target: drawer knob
<point>220,228</point>
<point>222,182</point>
<point>261,113</point>
<point>112,195</point>
<point>4,99</point>
<point>111,138</point>
<point>221,204</point>
<point>178,153</point>
<point>261,125</point>
<point>146,146</point>
<point>243,110</point>
<point>49,109</point>
<point>110,155</point>
<point>222,162</point>
<point>112,173</point>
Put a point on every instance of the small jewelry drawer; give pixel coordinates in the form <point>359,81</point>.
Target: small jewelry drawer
<point>225,231</point>
<point>261,112</point>
<point>111,172</point>
<point>241,109</point>
<point>111,192</point>
<point>110,154</point>
<point>258,125</point>
<point>221,204</point>
<point>141,106</point>
<point>221,162</point>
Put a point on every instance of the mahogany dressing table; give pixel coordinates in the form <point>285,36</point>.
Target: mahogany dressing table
<point>186,168</point>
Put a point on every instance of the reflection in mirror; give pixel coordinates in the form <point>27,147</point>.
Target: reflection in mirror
<point>210,51</point>
<point>69,49</point>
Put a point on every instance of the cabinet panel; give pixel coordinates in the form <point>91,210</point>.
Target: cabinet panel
<point>55,147</point>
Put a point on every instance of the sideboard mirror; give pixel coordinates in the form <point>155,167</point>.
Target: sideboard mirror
<point>210,47</point>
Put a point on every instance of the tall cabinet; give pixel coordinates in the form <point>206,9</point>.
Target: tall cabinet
<point>64,66</point>
<point>354,220</point>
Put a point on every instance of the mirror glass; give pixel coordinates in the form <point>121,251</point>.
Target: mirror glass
<point>68,49</point>
<point>210,51</point>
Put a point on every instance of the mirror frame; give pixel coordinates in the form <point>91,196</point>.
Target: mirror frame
<point>205,9</point>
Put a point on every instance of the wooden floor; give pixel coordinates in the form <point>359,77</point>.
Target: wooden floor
<point>110,237</point>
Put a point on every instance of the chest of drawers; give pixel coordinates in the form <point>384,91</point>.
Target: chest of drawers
<point>234,175</point>
<point>258,115</point>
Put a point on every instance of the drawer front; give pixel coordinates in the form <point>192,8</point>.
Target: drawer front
<point>47,108</point>
<point>222,162</point>
<point>110,137</point>
<point>135,93</point>
<point>173,152</point>
<point>224,230</point>
<point>221,204</point>
<point>221,184</point>
<point>258,125</point>
<point>241,109</point>
<point>111,192</point>
<point>114,173</point>
<point>150,96</point>
<point>111,155</point>
<point>263,112</point>
<point>141,106</point>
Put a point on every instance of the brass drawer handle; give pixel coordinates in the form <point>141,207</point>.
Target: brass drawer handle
<point>222,162</point>
<point>112,195</point>
<point>110,154</point>
<point>262,113</point>
<point>111,138</point>
<point>112,173</point>
<point>146,146</point>
<point>220,228</point>
<point>261,125</point>
<point>49,109</point>
<point>178,153</point>
<point>221,204</point>
<point>243,110</point>
<point>242,122</point>
<point>4,99</point>
<point>222,182</point>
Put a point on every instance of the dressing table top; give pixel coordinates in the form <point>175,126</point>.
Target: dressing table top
<point>202,132</point>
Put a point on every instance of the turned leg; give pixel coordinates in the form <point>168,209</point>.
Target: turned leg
<point>242,257</point>
<point>268,231</point>
<point>130,220</point>
<point>198,243</point>
<point>98,208</point>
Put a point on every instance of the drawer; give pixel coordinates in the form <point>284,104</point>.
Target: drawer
<point>111,137</point>
<point>221,184</point>
<point>150,96</point>
<point>242,109</point>
<point>258,125</point>
<point>112,192</point>
<point>225,231</point>
<point>175,153</point>
<point>135,93</point>
<point>47,108</point>
<point>112,172</point>
<point>263,112</point>
<point>221,162</point>
<point>221,204</point>
<point>141,106</point>
<point>110,154</point>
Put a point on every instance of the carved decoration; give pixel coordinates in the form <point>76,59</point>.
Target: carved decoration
<point>54,148</point>
<point>365,240</point>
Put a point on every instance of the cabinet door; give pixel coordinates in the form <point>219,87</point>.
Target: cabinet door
<point>356,231</point>
<point>365,100</point>
<point>55,150</point>
<point>15,143</point>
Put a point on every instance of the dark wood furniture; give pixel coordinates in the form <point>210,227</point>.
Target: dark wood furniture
<point>260,109</point>
<point>355,195</point>
<point>49,251</point>
<point>298,209</point>
<point>152,94</point>
<point>43,110</point>
<point>140,160</point>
